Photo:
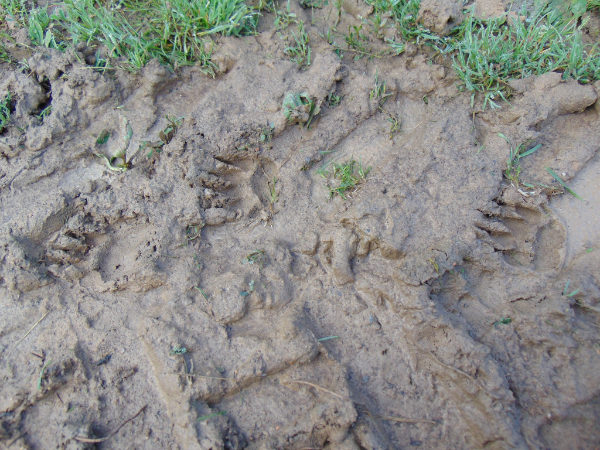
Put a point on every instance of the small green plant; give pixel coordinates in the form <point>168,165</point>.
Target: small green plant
<point>379,91</point>
<point>4,55</point>
<point>168,132</point>
<point>266,133</point>
<point>299,107</point>
<point>395,124</point>
<point>434,264</point>
<point>403,15</point>
<point>356,42</point>
<point>332,100</point>
<point>378,24</point>
<point>300,51</point>
<point>199,289</point>
<point>284,18</point>
<point>344,178</point>
<point>5,111</point>
<point>41,376</point>
<point>178,350</point>
<point>513,164</point>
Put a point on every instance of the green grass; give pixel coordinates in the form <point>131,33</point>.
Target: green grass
<point>299,52</point>
<point>5,111</point>
<point>379,91</point>
<point>403,16</point>
<point>513,164</point>
<point>489,53</point>
<point>344,178</point>
<point>13,10</point>
<point>176,32</point>
<point>40,30</point>
<point>562,183</point>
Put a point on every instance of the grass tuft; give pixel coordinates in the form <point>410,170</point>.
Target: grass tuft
<point>489,53</point>
<point>299,52</point>
<point>344,178</point>
<point>176,32</point>
<point>513,164</point>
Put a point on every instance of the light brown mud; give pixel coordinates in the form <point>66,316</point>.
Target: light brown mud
<point>215,282</point>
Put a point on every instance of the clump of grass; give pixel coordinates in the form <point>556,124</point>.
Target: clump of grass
<point>513,164</point>
<point>344,178</point>
<point>173,31</point>
<point>489,53</point>
<point>356,41</point>
<point>299,52</point>
<point>379,91</point>
<point>5,111</point>
<point>40,29</point>
<point>284,18</point>
<point>14,10</point>
<point>403,15</point>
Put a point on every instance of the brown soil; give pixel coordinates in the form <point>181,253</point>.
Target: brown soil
<point>410,276</point>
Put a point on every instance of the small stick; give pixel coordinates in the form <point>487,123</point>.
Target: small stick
<point>456,369</point>
<point>99,440</point>
<point>31,329</point>
<point>407,420</point>
<point>317,387</point>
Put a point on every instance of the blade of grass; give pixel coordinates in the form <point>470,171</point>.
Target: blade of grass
<point>562,183</point>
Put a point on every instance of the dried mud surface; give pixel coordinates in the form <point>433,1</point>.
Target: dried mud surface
<point>409,276</point>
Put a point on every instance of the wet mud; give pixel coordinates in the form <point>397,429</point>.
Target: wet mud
<point>216,289</point>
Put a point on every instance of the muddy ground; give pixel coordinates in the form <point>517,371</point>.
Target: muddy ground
<point>216,296</point>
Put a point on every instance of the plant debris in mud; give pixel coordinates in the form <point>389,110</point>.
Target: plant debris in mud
<point>299,107</point>
<point>344,178</point>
